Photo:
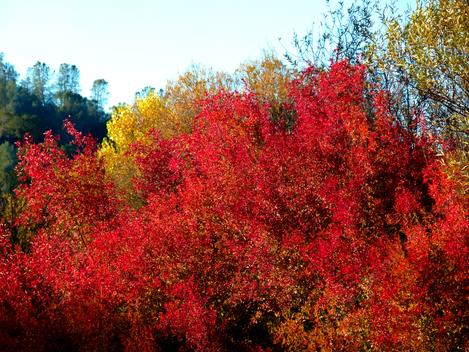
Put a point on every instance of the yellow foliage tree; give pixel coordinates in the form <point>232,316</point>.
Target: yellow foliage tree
<point>268,78</point>
<point>183,93</point>
<point>432,50</point>
<point>170,113</point>
<point>130,124</point>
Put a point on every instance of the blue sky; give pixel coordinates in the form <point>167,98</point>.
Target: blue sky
<point>136,43</point>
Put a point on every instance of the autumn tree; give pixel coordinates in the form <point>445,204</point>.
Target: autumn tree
<point>339,233</point>
<point>268,78</point>
<point>52,180</point>
<point>170,113</point>
<point>419,58</point>
<point>432,48</point>
<point>183,93</point>
<point>129,125</point>
<point>431,53</point>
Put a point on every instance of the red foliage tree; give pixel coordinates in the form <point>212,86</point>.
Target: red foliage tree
<point>66,195</point>
<point>339,232</point>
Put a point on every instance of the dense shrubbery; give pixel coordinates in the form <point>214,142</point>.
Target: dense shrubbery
<point>318,208</point>
<point>322,224</point>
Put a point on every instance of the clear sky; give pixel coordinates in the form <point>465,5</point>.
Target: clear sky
<point>138,43</point>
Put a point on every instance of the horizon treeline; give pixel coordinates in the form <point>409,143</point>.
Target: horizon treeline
<point>41,101</point>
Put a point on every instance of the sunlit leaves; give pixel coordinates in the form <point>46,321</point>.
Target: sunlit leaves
<point>339,232</point>
<point>432,50</point>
